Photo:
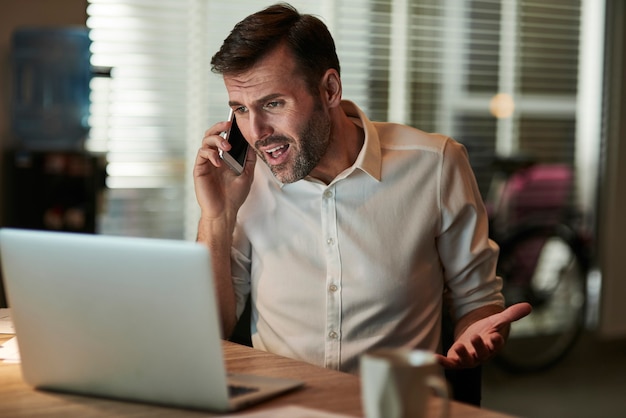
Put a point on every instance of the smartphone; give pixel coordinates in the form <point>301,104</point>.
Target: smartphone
<point>236,157</point>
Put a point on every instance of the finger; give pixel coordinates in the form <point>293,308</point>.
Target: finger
<point>513,313</point>
<point>214,136</point>
<point>215,142</point>
<point>208,154</point>
<point>497,342</point>
<point>251,159</point>
<point>461,355</point>
<point>218,129</point>
<point>212,142</point>
<point>447,362</point>
<point>518,311</point>
<point>482,351</point>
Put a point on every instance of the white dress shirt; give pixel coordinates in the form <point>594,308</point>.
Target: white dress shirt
<point>335,270</point>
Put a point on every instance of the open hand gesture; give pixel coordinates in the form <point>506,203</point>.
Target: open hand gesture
<point>483,339</point>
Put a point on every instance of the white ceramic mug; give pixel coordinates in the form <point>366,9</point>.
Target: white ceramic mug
<point>398,383</point>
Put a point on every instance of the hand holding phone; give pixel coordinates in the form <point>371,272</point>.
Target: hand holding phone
<point>236,157</point>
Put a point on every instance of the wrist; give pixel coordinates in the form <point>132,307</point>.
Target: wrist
<point>215,232</point>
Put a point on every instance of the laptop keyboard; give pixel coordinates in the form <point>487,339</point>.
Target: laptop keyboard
<point>234,390</point>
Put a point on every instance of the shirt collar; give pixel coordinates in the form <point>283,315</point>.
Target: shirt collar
<point>369,159</point>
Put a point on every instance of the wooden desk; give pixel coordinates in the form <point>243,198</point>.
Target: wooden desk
<point>325,389</point>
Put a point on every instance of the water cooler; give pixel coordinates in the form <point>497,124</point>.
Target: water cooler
<point>50,181</point>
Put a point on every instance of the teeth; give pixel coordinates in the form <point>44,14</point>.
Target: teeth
<point>269,151</point>
<point>277,151</point>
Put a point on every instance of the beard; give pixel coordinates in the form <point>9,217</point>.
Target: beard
<point>314,142</point>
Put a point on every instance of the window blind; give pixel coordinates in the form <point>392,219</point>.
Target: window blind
<point>139,115</point>
<point>442,66</point>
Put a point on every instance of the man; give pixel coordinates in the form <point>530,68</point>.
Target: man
<point>349,234</point>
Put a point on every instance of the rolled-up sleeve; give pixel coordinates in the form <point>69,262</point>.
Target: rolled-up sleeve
<point>240,269</point>
<point>467,254</point>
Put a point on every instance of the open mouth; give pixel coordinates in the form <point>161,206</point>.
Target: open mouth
<point>274,154</point>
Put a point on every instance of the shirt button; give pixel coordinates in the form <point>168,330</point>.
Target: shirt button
<point>332,335</point>
<point>330,241</point>
<point>328,194</point>
<point>333,288</point>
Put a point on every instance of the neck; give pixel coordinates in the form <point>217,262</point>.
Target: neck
<point>346,141</point>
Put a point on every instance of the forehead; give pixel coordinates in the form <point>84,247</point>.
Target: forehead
<point>272,74</point>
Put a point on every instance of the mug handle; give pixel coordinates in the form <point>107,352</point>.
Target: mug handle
<point>440,386</point>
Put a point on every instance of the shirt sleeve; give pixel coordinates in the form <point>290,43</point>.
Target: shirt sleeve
<point>241,263</point>
<point>467,254</point>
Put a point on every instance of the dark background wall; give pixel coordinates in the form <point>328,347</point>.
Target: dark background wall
<point>16,13</point>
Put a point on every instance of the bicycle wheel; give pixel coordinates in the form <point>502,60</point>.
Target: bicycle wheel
<point>547,267</point>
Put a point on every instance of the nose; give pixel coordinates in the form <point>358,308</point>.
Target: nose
<point>259,126</point>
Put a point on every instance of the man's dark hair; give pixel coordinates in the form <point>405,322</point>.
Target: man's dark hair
<point>257,35</point>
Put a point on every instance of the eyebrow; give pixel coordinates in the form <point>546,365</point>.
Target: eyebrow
<point>262,100</point>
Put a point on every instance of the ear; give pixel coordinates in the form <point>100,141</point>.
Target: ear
<point>331,88</point>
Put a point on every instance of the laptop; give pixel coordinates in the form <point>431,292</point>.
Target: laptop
<point>125,318</point>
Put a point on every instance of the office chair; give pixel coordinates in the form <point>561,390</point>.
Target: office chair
<point>241,333</point>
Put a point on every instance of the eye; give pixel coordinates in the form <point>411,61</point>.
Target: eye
<point>272,105</point>
<point>240,110</point>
